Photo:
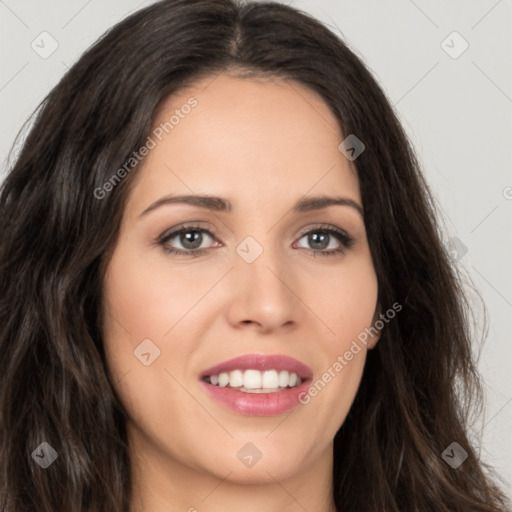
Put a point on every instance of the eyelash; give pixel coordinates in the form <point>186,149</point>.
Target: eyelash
<point>345,240</point>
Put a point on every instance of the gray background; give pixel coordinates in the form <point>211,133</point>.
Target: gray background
<point>456,106</point>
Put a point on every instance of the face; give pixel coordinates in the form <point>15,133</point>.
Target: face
<point>262,273</point>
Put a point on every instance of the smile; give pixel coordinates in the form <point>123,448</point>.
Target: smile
<point>257,385</point>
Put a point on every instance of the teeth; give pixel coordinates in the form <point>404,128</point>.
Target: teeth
<point>223,380</point>
<point>283,378</point>
<point>254,381</point>
<point>270,379</point>
<point>236,378</point>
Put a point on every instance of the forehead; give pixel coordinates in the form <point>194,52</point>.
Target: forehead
<point>246,138</point>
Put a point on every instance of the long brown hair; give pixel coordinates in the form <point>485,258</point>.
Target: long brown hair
<point>56,235</point>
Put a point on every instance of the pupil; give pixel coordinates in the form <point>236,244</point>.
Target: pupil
<point>314,239</point>
<point>191,237</point>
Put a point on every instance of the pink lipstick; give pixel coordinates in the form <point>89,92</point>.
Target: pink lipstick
<point>256,384</point>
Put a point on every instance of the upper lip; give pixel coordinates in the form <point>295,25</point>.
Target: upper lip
<point>261,362</point>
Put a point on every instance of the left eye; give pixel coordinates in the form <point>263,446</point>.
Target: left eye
<point>321,240</point>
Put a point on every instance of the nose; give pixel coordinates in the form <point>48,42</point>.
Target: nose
<point>264,294</point>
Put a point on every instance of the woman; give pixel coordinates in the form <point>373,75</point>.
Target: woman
<point>173,336</point>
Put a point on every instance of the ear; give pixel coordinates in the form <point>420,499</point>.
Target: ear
<point>374,337</point>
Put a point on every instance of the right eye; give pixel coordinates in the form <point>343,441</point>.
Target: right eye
<point>190,237</point>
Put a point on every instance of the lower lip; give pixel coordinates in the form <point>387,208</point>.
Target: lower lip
<point>257,404</point>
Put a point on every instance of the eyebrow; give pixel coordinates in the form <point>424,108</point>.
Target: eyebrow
<point>219,204</point>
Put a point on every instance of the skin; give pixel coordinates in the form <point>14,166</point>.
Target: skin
<point>263,144</point>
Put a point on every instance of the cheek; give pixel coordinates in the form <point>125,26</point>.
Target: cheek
<point>344,300</point>
<point>346,306</point>
<point>147,300</point>
<point>156,302</point>
<point>143,304</point>
<point>356,308</point>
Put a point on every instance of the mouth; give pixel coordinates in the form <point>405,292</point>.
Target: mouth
<point>257,385</point>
